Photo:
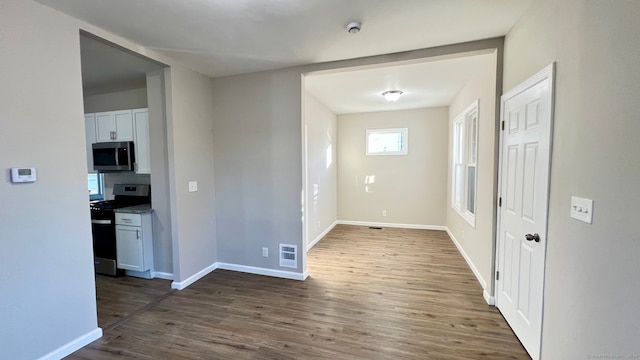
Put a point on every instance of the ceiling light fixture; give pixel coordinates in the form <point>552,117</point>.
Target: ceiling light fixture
<point>354,27</point>
<point>392,95</point>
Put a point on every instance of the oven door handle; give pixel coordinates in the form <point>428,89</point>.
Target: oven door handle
<point>102,222</point>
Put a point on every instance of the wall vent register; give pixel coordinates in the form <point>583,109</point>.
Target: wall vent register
<point>288,256</point>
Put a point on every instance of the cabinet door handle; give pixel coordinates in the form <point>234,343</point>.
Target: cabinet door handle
<point>137,234</point>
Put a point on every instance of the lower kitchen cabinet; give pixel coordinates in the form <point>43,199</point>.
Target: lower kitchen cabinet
<point>134,242</point>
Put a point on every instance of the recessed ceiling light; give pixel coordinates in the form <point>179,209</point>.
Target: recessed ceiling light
<point>392,95</point>
<point>354,27</point>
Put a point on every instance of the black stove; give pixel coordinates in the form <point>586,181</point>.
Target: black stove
<point>103,224</point>
<point>104,205</point>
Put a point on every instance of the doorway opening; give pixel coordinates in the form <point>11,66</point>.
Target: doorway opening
<point>345,185</point>
<point>124,102</point>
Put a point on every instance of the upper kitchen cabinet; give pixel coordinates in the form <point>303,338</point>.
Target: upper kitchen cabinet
<point>141,134</point>
<point>121,125</point>
<point>114,126</point>
<point>90,133</point>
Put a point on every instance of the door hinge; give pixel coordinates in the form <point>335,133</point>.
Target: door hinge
<point>502,126</point>
<point>500,201</point>
<point>497,275</point>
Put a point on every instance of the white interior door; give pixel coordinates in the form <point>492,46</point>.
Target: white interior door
<point>527,113</point>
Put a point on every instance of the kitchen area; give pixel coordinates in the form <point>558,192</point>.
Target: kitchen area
<point>118,154</point>
<point>127,179</point>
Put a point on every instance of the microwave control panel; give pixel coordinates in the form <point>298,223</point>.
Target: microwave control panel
<point>23,175</point>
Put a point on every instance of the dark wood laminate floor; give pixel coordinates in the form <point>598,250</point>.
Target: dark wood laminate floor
<point>121,297</point>
<point>372,294</point>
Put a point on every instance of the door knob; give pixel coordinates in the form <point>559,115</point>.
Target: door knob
<point>535,237</point>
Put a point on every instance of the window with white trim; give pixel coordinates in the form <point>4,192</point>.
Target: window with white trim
<point>387,141</point>
<point>465,158</point>
<point>96,186</point>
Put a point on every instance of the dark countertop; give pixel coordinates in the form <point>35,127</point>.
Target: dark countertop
<point>138,209</point>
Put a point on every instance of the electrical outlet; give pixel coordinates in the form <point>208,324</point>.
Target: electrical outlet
<point>384,212</point>
<point>265,252</point>
<point>193,186</point>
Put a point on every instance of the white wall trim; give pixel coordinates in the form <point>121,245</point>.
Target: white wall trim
<point>323,234</point>
<point>472,266</point>
<point>74,345</point>
<point>162,275</point>
<point>264,271</point>
<point>393,225</point>
<point>488,298</point>
<point>180,285</point>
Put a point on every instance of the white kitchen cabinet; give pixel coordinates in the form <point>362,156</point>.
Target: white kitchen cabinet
<point>134,241</point>
<point>114,126</point>
<point>90,133</point>
<point>130,248</point>
<point>141,140</point>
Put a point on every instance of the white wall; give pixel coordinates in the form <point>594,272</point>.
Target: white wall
<point>190,151</point>
<point>321,198</point>
<point>257,154</point>
<point>47,297</point>
<point>411,188</point>
<point>117,100</point>
<point>592,273</point>
<point>159,179</point>
<point>47,301</point>
<point>478,242</point>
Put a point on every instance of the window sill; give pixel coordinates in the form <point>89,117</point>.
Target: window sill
<point>467,216</point>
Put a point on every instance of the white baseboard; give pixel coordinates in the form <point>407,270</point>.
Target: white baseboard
<point>180,285</point>
<point>162,275</point>
<point>74,345</point>
<point>488,298</point>
<point>475,271</point>
<point>263,271</point>
<point>393,225</point>
<point>323,234</point>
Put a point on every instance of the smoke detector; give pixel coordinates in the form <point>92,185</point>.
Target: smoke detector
<point>354,27</point>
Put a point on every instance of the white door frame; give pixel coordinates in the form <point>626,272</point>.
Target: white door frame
<point>546,73</point>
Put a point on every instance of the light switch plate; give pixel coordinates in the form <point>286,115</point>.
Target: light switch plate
<point>582,209</point>
<point>193,186</point>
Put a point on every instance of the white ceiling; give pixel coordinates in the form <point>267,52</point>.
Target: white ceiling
<point>225,37</point>
<point>424,84</point>
<point>105,66</point>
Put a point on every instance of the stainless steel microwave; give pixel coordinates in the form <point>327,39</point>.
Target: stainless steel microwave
<point>113,156</point>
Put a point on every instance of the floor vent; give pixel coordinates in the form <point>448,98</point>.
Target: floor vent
<point>289,256</point>
<point>375,228</point>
